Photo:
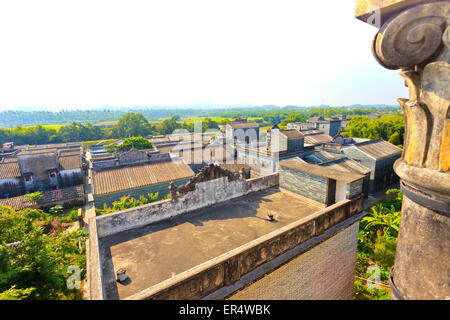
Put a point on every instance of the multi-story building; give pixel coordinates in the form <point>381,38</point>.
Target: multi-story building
<point>241,131</point>
<point>329,126</point>
<point>377,155</point>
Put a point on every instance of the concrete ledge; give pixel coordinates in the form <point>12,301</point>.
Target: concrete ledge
<point>228,269</point>
<point>270,266</point>
<point>94,289</point>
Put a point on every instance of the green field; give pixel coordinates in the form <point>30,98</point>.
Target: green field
<point>87,144</point>
<point>217,119</point>
<point>48,126</point>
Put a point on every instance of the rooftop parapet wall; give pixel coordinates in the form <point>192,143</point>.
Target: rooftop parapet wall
<point>94,285</point>
<point>222,272</point>
<point>206,194</point>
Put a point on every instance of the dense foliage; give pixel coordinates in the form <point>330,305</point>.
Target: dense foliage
<point>34,259</point>
<point>388,127</point>
<point>43,135</point>
<point>130,125</point>
<point>138,143</point>
<point>128,202</point>
<point>14,118</point>
<point>377,242</point>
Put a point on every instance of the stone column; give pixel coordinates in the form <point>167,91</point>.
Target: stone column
<point>414,36</point>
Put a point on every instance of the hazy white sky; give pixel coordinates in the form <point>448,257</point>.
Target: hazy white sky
<point>82,54</point>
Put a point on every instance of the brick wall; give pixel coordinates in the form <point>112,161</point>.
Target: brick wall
<point>355,188</point>
<point>309,186</point>
<point>365,160</point>
<point>384,173</point>
<point>324,272</point>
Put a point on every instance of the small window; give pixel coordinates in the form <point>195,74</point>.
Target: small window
<point>28,177</point>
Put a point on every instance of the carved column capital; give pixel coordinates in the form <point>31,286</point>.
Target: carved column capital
<point>417,40</point>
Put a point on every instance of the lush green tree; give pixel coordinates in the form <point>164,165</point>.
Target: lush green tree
<point>294,117</point>
<point>388,127</point>
<point>128,202</point>
<point>138,143</point>
<point>56,210</point>
<point>34,197</point>
<point>377,243</point>
<point>34,265</point>
<point>131,125</point>
<point>79,132</point>
<point>168,126</point>
<point>384,221</point>
<point>208,123</point>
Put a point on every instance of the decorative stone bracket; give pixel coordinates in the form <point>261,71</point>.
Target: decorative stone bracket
<point>418,41</point>
<point>415,37</point>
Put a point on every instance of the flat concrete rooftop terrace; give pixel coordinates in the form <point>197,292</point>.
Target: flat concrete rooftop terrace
<point>159,251</point>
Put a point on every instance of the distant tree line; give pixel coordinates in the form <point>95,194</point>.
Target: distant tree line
<point>389,127</point>
<point>272,114</point>
<point>130,125</point>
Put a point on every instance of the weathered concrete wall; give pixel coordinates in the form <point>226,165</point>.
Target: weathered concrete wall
<point>11,188</point>
<point>93,287</point>
<point>228,269</point>
<point>325,272</point>
<point>381,170</point>
<point>70,178</point>
<point>304,184</point>
<point>259,163</point>
<point>296,145</point>
<point>384,173</point>
<point>355,188</point>
<point>206,194</point>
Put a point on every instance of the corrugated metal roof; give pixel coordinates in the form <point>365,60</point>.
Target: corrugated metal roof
<point>316,139</point>
<point>319,157</point>
<point>33,152</point>
<point>347,165</point>
<point>131,177</point>
<point>48,197</point>
<point>378,148</point>
<point>70,162</point>
<point>242,125</point>
<point>156,140</point>
<point>69,152</point>
<point>9,169</point>
<point>292,133</point>
<point>320,171</point>
<point>8,159</point>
